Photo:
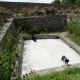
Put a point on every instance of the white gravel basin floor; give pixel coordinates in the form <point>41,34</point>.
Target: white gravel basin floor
<point>46,53</point>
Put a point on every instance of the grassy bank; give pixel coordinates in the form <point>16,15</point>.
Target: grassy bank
<point>74,39</point>
<point>68,74</point>
<point>74,32</point>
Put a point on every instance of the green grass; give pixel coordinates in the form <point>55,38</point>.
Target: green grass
<point>67,74</point>
<point>74,39</point>
<point>74,32</point>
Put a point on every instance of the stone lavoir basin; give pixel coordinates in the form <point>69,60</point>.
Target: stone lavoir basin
<point>46,53</point>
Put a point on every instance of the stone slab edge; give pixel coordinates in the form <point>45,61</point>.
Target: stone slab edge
<point>70,43</point>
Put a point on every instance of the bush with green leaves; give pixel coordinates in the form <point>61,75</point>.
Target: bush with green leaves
<point>71,27</point>
<point>77,31</point>
<point>24,12</point>
<point>76,11</point>
<point>50,10</point>
<point>56,2</point>
<point>69,10</point>
<point>8,57</point>
<point>4,15</point>
<point>39,12</point>
<point>78,3</point>
<point>74,28</point>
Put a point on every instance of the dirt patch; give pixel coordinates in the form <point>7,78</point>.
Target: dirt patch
<point>64,33</point>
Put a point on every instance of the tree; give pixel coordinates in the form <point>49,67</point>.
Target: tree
<point>56,2</point>
<point>78,3</point>
<point>68,1</point>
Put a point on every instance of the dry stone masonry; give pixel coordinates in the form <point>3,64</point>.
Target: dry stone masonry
<point>52,22</point>
<point>20,5</point>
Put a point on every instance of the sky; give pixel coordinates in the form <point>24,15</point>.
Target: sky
<point>33,1</point>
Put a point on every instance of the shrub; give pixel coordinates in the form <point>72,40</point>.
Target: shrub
<point>71,27</point>
<point>34,30</point>
<point>76,11</point>
<point>4,15</point>
<point>77,31</point>
<point>24,12</point>
<point>50,10</point>
<point>74,28</point>
<point>39,12</point>
<point>62,11</point>
<point>69,10</point>
<point>32,11</point>
<point>7,58</point>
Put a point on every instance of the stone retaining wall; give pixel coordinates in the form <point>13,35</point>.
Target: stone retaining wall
<point>21,5</point>
<point>7,29</point>
<point>52,22</point>
<point>74,18</point>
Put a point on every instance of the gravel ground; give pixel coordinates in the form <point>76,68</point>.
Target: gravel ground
<point>46,53</point>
